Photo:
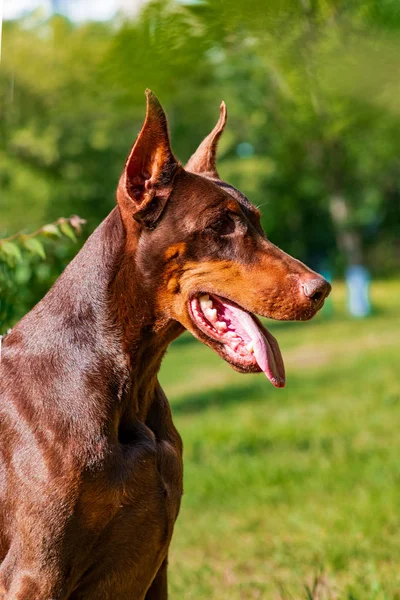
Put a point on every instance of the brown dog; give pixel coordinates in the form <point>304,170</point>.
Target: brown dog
<point>91,463</point>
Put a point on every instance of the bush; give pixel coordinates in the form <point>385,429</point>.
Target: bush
<point>30,262</point>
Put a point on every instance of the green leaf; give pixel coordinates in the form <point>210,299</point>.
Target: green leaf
<point>68,231</point>
<point>76,223</point>
<point>23,273</point>
<point>10,251</point>
<point>34,247</point>
<point>51,231</point>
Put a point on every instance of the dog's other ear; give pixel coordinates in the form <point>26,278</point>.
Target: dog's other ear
<point>146,181</point>
<point>203,161</point>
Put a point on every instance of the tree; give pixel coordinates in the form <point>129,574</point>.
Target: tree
<point>313,134</point>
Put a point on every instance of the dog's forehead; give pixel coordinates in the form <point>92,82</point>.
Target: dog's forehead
<point>241,198</point>
<point>204,193</point>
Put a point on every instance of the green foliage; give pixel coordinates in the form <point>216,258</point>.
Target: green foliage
<point>311,90</point>
<point>22,270</point>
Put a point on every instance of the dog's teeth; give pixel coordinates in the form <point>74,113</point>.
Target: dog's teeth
<point>204,305</point>
<point>221,326</point>
<point>205,302</point>
<point>211,314</point>
<point>231,334</point>
<point>250,347</point>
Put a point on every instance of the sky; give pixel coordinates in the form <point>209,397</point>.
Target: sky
<point>78,10</point>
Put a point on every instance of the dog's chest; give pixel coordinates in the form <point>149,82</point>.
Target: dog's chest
<point>128,514</point>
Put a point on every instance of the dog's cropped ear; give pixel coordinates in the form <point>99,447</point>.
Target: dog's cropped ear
<point>146,181</point>
<point>203,161</point>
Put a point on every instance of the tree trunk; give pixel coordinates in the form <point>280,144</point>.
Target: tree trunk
<point>348,238</point>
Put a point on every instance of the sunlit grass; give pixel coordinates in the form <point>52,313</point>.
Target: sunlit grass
<point>296,491</point>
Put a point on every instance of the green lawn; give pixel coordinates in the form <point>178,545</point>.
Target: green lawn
<point>293,493</point>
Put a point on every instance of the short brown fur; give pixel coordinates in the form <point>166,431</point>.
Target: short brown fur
<point>90,461</point>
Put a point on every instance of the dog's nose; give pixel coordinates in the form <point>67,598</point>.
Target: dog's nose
<point>316,289</point>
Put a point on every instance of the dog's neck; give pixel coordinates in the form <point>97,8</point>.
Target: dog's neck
<point>99,323</point>
<point>144,334</point>
<point>131,308</point>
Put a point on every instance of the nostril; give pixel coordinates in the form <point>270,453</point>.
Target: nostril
<point>317,296</point>
<point>316,289</point>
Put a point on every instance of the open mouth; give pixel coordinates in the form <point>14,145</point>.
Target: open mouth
<point>243,340</point>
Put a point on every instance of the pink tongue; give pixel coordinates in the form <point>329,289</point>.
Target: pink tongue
<point>266,349</point>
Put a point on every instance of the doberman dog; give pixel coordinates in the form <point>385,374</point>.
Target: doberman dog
<point>91,463</point>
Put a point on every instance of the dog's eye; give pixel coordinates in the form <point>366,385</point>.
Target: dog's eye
<point>224,226</point>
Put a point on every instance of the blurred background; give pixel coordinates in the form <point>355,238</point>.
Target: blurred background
<point>289,493</point>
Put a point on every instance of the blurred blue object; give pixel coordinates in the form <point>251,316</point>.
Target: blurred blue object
<point>244,149</point>
<point>358,283</point>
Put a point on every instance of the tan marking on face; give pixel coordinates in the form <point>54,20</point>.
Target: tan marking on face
<point>173,285</point>
<point>233,205</point>
<point>175,251</point>
<point>171,272</point>
<point>269,286</point>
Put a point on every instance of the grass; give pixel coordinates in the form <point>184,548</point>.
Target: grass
<point>294,493</point>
